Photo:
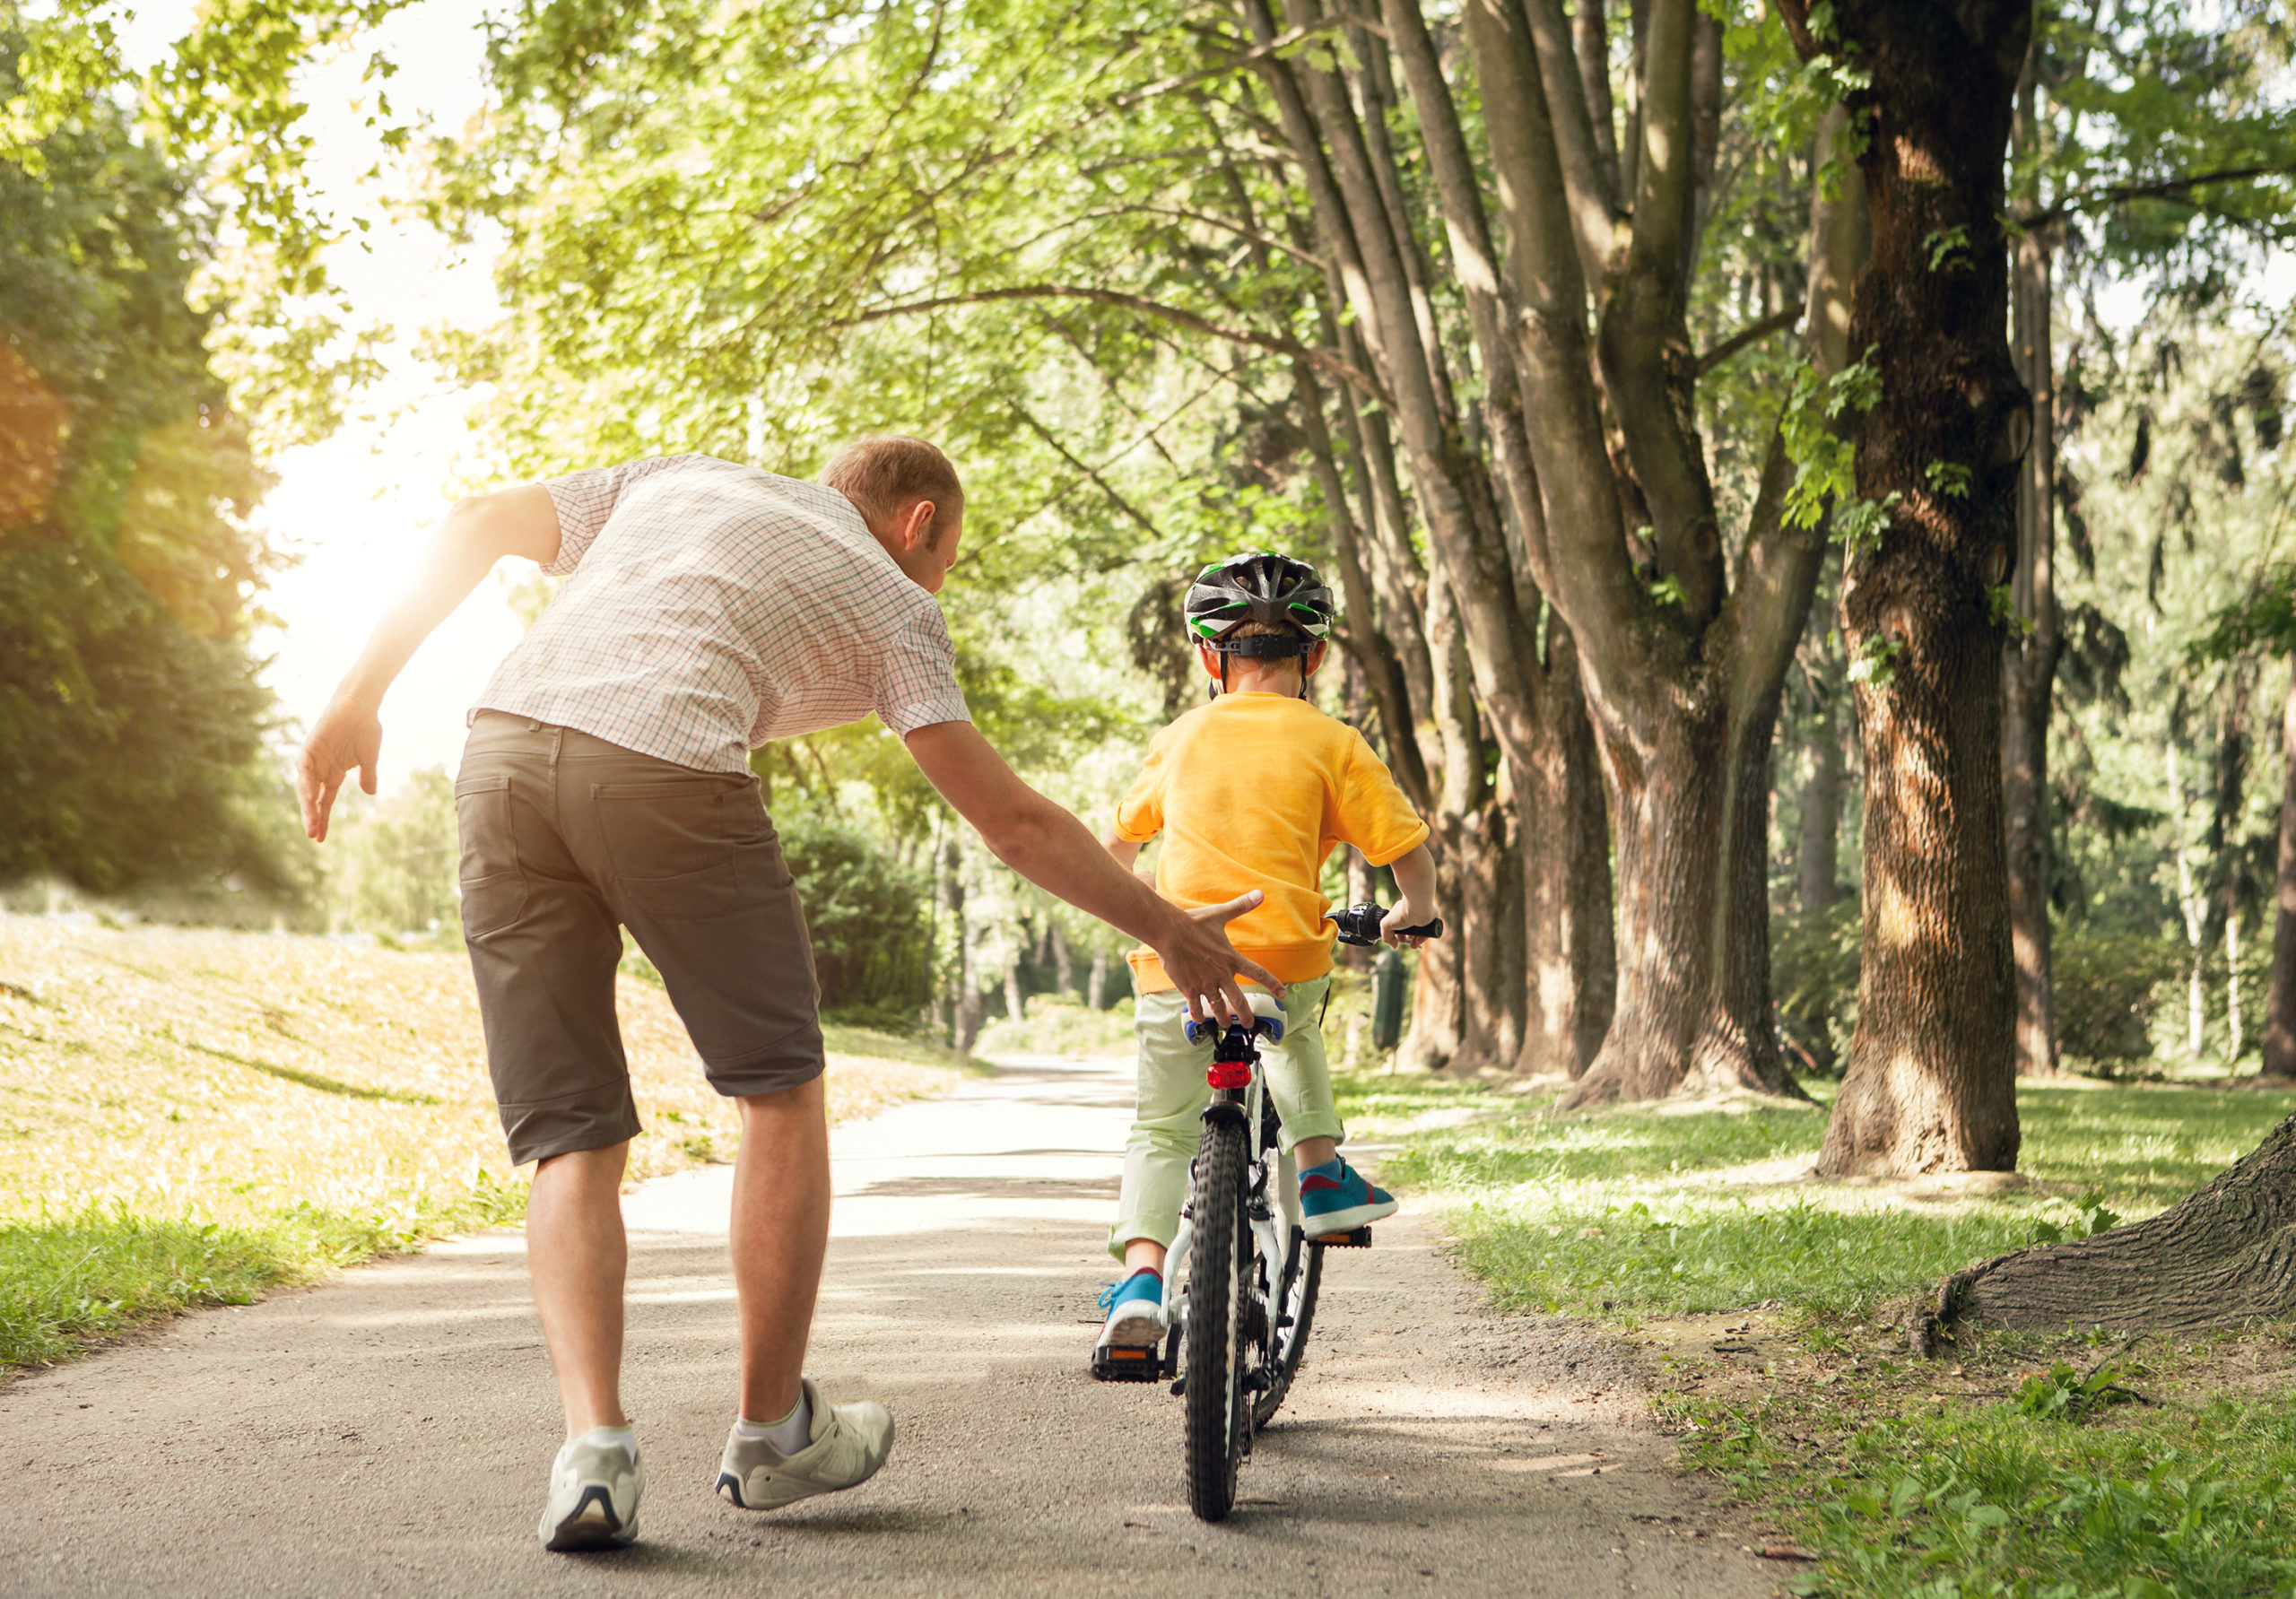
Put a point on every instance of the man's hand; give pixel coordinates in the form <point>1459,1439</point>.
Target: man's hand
<point>1204,966</point>
<point>347,735</point>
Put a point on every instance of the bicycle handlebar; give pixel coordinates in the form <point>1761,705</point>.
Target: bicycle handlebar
<point>1360,924</point>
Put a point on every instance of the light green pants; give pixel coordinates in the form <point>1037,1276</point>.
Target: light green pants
<point>1169,1121</point>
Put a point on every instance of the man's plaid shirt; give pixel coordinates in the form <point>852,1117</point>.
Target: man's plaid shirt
<point>712,607</point>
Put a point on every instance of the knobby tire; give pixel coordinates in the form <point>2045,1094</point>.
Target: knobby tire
<point>1218,1290</point>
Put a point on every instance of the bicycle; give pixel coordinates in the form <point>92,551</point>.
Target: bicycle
<point>1239,1321</point>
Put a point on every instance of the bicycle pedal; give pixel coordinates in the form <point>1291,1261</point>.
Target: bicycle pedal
<point>1127,1363</point>
<point>1361,1238</point>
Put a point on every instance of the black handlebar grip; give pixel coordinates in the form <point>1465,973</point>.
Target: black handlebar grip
<point>1360,924</point>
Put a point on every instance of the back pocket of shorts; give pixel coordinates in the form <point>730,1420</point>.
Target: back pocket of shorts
<point>675,842</point>
<point>493,889</point>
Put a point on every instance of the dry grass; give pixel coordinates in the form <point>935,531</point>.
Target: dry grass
<point>222,1076</point>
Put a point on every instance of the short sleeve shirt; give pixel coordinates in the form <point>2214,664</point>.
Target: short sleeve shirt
<point>1252,791</point>
<point>709,608</point>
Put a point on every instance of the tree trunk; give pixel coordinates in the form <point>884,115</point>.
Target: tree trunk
<point>1570,953</point>
<point>1096,983</point>
<point>1015,1006</point>
<point>1931,1084</point>
<point>1063,959</point>
<point>2193,907</point>
<point>2226,1256</point>
<point>2030,659</point>
<point>964,1016</point>
<point>2280,991</point>
<point>1819,852</point>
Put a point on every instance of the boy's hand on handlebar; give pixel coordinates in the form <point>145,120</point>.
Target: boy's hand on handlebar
<point>1403,913</point>
<point>1205,967</point>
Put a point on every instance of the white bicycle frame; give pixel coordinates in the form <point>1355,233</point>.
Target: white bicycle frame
<point>1273,1234</point>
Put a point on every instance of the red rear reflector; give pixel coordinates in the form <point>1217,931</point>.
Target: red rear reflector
<point>1228,1074</point>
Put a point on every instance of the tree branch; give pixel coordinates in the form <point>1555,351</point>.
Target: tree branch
<point>2117,193</point>
<point>1754,333</point>
<point>1323,358</point>
<point>1220,68</point>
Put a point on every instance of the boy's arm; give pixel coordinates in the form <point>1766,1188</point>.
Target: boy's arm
<point>1415,877</point>
<point>1123,851</point>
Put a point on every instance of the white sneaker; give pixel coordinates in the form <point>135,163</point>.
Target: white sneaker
<point>594,1492</point>
<point>849,1443</point>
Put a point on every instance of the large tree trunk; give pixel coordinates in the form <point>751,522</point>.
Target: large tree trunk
<point>2029,666</point>
<point>1571,950</point>
<point>1931,1084</point>
<point>2223,1257</point>
<point>2280,993</point>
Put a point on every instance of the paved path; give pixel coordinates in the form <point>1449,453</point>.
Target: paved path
<point>388,1433</point>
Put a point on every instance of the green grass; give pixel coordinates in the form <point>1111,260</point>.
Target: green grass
<point>1638,1212</point>
<point>1903,1498</point>
<point>1925,1480</point>
<point>71,1282</point>
<point>872,1045</point>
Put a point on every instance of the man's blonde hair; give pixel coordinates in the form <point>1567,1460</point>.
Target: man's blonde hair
<point>883,472</point>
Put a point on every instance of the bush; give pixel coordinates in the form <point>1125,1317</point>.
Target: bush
<point>2108,987</point>
<point>868,915</point>
<point>1813,979</point>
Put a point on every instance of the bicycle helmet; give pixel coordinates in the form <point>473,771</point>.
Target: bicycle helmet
<point>1259,585</point>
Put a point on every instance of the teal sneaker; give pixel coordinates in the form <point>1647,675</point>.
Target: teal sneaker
<point>1334,1198</point>
<point>1135,1311</point>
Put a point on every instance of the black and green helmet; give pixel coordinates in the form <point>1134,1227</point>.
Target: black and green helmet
<point>1259,585</point>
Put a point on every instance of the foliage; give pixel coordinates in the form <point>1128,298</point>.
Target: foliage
<point>870,922</point>
<point>1813,975</point>
<point>130,717</point>
<point>395,871</point>
<point>222,102</point>
<point>2108,988</point>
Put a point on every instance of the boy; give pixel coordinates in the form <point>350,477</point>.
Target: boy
<point>1252,791</point>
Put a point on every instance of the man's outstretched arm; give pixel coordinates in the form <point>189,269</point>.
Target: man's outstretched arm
<point>475,535</point>
<point>1054,850</point>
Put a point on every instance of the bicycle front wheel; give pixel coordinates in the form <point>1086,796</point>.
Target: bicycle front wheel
<point>1219,1293</point>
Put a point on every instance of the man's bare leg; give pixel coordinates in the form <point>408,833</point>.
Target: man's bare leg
<point>778,1238</point>
<point>578,1256</point>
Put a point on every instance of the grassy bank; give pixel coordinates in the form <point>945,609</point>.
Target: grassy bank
<point>2021,1466</point>
<point>191,1117</point>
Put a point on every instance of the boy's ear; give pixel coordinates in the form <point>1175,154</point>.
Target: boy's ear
<point>1314,659</point>
<point>1210,657</point>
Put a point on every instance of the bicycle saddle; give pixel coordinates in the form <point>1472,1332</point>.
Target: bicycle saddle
<point>1267,1012</point>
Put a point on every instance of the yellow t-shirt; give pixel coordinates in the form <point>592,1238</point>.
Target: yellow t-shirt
<point>1252,791</point>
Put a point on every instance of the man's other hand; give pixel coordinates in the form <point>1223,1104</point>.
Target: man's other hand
<point>347,734</point>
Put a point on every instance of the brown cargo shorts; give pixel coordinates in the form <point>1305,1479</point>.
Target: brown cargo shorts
<point>566,840</point>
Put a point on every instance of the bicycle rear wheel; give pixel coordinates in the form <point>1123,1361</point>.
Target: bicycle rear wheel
<point>1295,1317</point>
<point>1219,1294</point>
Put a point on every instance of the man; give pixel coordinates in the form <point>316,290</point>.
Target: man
<point>709,608</point>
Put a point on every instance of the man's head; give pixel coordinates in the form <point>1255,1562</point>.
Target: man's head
<point>1253,616</point>
<point>907,493</point>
